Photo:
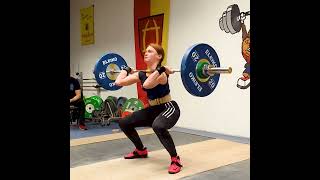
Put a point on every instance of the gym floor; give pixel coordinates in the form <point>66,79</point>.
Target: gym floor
<point>91,151</point>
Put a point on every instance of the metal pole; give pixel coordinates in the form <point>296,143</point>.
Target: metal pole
<point>98,91</point>
<point>210,68</point>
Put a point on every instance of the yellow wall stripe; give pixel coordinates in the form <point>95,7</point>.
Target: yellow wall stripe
<point>159,7</point>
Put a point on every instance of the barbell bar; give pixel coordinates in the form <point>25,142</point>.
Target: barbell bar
<point>210,69</point>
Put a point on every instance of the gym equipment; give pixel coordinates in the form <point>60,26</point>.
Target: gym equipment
<point>195,78</point>
<point>120,102</point>
<point>232,19</point>
<point>132,104</point>
<point>92,103</point>
<point>200,70</point>
<point>106,63</point>
<point>74,114</point>
<point>108,110</point>
<point>113,98</point>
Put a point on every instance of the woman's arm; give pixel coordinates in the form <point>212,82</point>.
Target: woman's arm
<point>154,79</point>
<point>125,80</point>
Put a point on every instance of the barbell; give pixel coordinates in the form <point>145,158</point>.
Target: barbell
<point>232,19</point>
<point>200,70</point>
<point>209,69</point>
<point>94,86</point>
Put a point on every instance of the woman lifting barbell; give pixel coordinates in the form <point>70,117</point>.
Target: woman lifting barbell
<point>163,112</point>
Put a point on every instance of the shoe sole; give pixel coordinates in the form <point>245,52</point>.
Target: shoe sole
<point>173,172</point>
<point>135,157</point>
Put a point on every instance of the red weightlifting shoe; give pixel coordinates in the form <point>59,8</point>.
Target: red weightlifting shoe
<point>175,165</point>
<point>137,154</point>
<point>83,127</point>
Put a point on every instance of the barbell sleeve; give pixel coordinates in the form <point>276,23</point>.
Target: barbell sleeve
<point>210,70</point>
<point>213,69</point>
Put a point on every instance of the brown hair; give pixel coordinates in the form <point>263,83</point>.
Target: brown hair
<point>159,50</point>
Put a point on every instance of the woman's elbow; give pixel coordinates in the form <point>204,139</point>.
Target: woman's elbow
<point>146,86</point>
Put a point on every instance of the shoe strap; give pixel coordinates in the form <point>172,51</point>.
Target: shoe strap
<point>177,163</point>
<point>135,152</point>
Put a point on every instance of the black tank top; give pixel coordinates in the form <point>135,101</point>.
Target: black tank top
<point>157,92</point>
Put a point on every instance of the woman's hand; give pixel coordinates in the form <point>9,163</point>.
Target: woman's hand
<point>168,70</point>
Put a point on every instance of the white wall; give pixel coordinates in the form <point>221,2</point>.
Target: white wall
<point>113,26</point>
<point>226,110</point>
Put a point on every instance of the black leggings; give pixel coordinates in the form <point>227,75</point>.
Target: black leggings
<point>80,104</point>
<point>160,118</point>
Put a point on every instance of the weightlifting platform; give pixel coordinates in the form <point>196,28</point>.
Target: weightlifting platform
<point>98,154</point>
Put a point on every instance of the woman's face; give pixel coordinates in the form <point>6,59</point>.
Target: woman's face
<point>151,56</point>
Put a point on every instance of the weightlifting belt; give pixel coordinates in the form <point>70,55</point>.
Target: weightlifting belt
<point>162,100</point>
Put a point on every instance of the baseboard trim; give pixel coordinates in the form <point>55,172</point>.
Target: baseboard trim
<point>242,140</point>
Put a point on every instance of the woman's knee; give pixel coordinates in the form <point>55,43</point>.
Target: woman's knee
<point>126,122</point>
<point>158,128</point>
<point>123,123</point>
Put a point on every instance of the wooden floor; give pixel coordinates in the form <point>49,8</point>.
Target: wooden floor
<point>196,157</point>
